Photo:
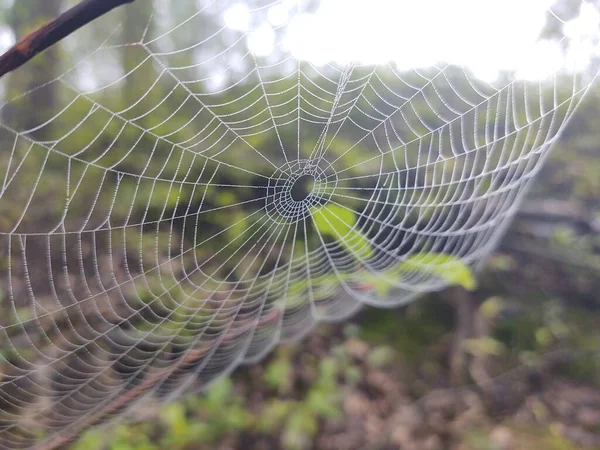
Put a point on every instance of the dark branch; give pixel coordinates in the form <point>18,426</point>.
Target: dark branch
<point>120,402</point>
<point>53,32</point>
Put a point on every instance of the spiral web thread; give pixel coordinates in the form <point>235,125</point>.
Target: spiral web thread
<point>152,245</point>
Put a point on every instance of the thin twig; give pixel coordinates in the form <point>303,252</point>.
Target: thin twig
<point>53,32</point>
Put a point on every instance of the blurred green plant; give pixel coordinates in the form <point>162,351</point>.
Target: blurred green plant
<point>339,223</point>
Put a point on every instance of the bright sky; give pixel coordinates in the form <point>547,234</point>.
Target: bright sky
<point>485,35</point>
<point>488,36</point>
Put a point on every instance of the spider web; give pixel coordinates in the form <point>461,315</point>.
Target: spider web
<point>164,225</point>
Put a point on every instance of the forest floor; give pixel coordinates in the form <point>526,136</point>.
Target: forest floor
<point>384,408</point>
<point>336,390</point>
<point>388,380</point>
<point>511,366</point>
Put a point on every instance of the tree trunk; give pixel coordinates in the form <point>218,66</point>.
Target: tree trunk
<point>136,23</point>
<point>464,307</point>
<point>24,17</point>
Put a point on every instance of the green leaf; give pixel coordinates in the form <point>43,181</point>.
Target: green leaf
<point>451,269</point>
<point>484,346</point>
<point>277,374</point>
<point>543,336</point>
<point>300,428</point>
<point>338,223</point>
<point>492,307</point>
<point>321,405</point>
<point>380,357</point>
<point>174,415</point>
<point>274,413</point>
<point>220,391</point>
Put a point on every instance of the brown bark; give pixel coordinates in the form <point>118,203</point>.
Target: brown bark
<point>53,32</point>
<point>464,307</point>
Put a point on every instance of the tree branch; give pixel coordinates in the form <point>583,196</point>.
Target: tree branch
<point>51,33</point>
<point>122,401</point>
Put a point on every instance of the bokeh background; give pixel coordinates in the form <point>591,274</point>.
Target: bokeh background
<point>511,365</point>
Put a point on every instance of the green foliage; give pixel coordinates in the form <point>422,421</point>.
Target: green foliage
<point>339,223</point>
<point>447,267</point>
<point>300,428</point>
<point>278,374</point>
<point>121,437</point>
<point>585,341</point>
<point>409,335</point>
<point>451,269</point>
<point>274,414</point>
<point>91,440</point>
<point>484,346</point>
<point>204,419</point>
<point>320,402</point>
<point>492,307</point>
<point>194,421</point>
<point>381,356</point>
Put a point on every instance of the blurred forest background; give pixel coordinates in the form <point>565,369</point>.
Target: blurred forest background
<point>511,365</point>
